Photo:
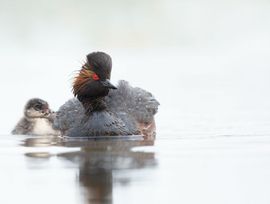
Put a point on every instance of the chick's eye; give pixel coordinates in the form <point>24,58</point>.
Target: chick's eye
<point>38,107</point>
<point>95,77</point>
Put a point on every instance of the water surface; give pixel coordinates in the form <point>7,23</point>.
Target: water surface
<point>220,169</point>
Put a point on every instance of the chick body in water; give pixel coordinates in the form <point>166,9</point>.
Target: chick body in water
<point>37,120</point>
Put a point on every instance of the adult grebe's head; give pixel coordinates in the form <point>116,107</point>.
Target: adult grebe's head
<point>37,108</point>
<point>93,80</point>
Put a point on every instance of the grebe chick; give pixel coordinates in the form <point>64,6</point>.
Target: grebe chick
<point>37,120</point>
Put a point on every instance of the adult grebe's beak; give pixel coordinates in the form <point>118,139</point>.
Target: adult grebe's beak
<point>108,84</point>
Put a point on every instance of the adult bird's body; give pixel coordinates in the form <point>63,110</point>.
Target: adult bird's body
<point>101,109</point>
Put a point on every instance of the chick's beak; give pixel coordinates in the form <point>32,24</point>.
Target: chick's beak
<point>108,84</point>
<point>46,110</point>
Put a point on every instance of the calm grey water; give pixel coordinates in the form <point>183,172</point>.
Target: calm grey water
<point>223,169</point>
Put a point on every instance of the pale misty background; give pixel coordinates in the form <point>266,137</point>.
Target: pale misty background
<point>207,62</point>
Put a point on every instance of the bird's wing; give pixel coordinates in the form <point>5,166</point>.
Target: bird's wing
<point>133,100</point>
<point>68,114</point>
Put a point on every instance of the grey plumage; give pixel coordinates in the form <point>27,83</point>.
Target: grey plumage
<point>37,120</point>
<point>23,127</point>
<point>134,101</point>
<point>68,115</point>
<point>103,123</point>
<point>126,108</point>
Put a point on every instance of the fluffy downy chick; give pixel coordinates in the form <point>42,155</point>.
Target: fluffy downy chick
<point>37,120</point>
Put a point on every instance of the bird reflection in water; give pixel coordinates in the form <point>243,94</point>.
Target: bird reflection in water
<point>100,162</point>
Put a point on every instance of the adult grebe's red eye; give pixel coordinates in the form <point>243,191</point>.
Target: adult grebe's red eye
<point>95,77</point>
